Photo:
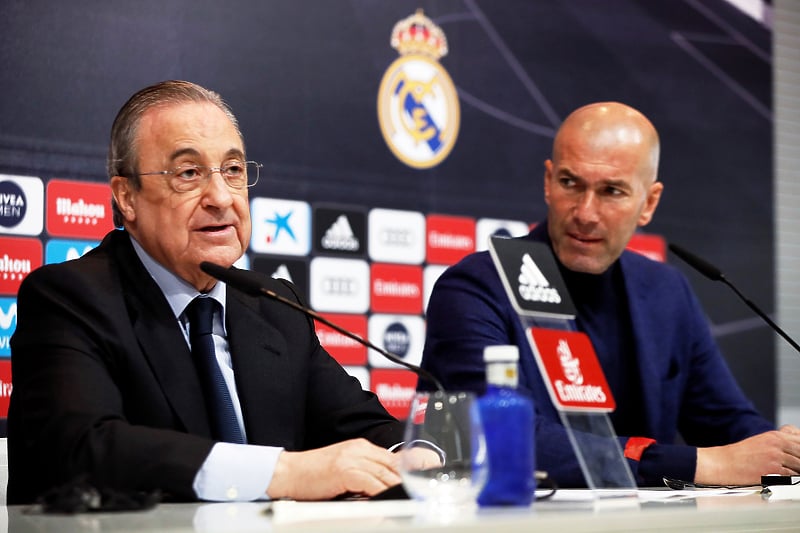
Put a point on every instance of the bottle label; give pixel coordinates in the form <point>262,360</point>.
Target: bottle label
<point>502,374</point>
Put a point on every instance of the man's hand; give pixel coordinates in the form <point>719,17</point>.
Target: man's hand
<point>419,458</point>
<point>355,466</point>
<point>744,462</point>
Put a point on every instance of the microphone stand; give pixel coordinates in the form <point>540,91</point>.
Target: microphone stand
<point>715,274</point>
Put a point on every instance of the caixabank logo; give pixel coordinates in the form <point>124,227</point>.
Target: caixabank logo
<point>21,205</point>
<point>78,209</point>
<point>281,227</point>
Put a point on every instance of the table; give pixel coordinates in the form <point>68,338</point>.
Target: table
<point>570,512</point>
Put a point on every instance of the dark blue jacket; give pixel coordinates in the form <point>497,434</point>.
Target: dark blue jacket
<point>687,386</point>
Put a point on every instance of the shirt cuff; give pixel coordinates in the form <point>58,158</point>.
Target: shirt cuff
<point>236,472</point>
<point>667,460</point>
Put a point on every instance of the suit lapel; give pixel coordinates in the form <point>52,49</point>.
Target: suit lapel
<point>260,357</point>
<point>648,350</point>
<point>161,340</point>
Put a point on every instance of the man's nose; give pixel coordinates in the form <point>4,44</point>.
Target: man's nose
<point>217,191</point>
<point>586,210</point>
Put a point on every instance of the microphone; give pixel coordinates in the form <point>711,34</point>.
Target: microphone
<point>715,274</point>
<point>245,281</point>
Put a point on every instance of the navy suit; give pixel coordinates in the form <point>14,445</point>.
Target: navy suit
<point>104,382</point>
<point>687,387</point>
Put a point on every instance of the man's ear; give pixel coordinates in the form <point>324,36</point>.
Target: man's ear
<point>651,202</point>
<point>548,172</point>
<point>124,197</point>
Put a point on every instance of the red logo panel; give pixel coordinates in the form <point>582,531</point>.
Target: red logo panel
<point>449,239</point>
<point>571,370</point>
<point>344,349</point>
<point>652,246</point>
<point>396,288</point>
<point>18,258</point>
<point>5,387</point>
<point>78,209</point>
<point>395,390</point>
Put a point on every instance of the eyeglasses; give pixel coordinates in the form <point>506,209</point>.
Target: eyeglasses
<point>190,177</point>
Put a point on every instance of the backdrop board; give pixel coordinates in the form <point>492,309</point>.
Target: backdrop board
<point>364,226</point>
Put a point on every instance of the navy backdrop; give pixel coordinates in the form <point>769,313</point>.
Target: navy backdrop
<point>303,78</point>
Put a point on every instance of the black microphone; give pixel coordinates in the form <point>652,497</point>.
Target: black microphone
<point>246,281</point>
<point>715,274</point>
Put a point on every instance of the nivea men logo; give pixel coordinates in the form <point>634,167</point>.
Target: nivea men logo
<point>396,339</point>
<point>340,236</point>
<point>403,335</point>
<point>533,286</point>
<point>13,204</point>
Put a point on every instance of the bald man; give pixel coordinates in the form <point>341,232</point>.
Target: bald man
<point>669,380</point>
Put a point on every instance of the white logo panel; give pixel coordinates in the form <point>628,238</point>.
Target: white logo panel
<point>280,226</point>
<point>401,335</point>
<point>21,205</point>
<point>486,227</point>
<point>339,285</point>
<point>430,274</point>
<point>396,236</point>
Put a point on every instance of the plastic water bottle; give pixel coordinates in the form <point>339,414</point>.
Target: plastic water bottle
<point>508,425</point>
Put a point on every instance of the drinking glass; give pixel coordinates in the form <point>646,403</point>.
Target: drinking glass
<point>447,423</point>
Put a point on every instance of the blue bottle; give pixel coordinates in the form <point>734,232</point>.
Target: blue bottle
<point>507,418</point>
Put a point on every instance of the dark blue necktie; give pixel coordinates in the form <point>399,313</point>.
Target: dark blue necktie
<point>224,425</point>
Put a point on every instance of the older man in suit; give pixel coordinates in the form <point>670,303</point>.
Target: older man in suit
<point>105,386</point>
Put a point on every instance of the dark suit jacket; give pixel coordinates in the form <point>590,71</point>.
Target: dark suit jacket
<point>687,386</point>
<point>104,383</point>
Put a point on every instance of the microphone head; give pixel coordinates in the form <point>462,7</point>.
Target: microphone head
<point>702,266</point>
<point>240,279</point>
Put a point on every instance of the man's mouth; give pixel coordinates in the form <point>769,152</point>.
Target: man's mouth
<point>215,228</point>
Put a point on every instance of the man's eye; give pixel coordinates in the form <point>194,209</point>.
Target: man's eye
<point>188,173</point>
<point>234,169</point>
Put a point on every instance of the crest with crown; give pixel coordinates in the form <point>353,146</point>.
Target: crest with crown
<point>418,35</point>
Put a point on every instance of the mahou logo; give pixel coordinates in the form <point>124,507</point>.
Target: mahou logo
<point>18,258</point>
<point>78,209</point>
<point>395,389</point>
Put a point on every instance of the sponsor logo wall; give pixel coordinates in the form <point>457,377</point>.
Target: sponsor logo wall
<point>370,271</point>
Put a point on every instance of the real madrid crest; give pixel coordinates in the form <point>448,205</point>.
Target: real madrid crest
<point>418,107</point>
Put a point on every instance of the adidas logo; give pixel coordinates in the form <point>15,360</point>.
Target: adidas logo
<point>282,273</point>
<point>340,236</point>
<point>533,286</point>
